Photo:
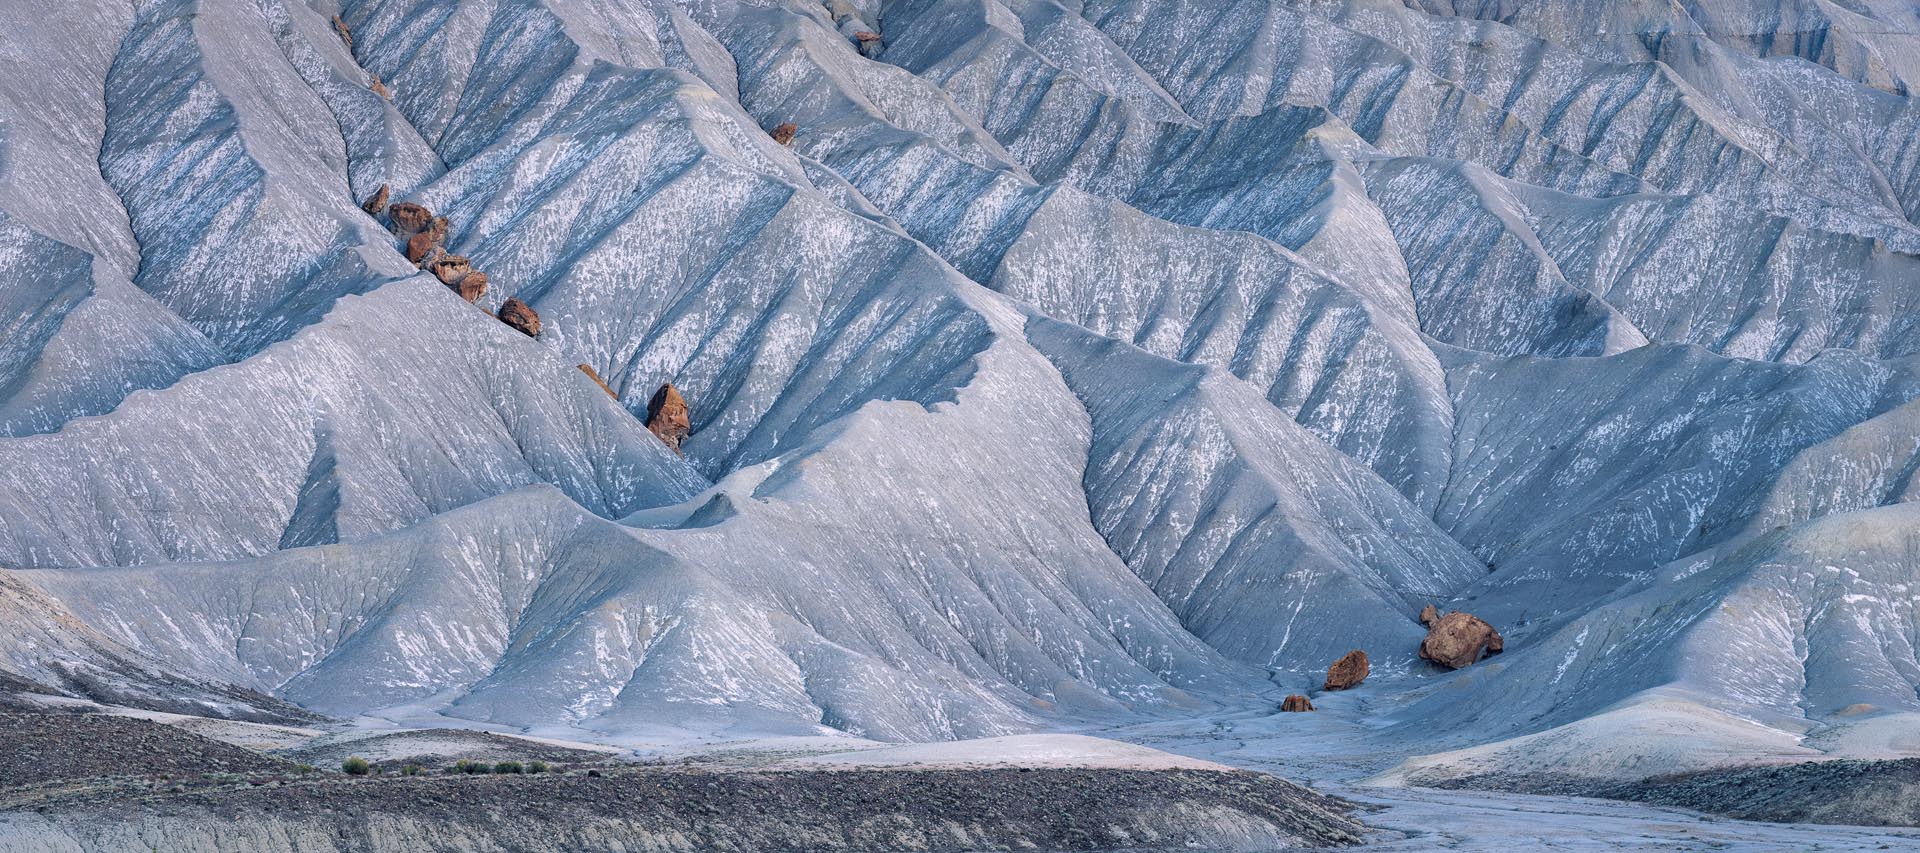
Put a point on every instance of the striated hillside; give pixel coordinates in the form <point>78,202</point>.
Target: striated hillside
<point>1047,363</point>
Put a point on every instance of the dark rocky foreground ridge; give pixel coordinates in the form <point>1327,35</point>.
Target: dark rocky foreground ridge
<point>1841,791</point>
<point>650,809</point>
<point>87,782</point>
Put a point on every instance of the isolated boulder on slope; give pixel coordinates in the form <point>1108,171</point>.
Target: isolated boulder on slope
<point>668,417</point>
<point>377,203</point>
<point>521,316</point>
<point>1457,639</point>
<point>1348,671</point>
<point>591,374</point>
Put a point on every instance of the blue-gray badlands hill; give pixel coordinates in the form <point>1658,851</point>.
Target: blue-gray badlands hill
<point>1077,364</point>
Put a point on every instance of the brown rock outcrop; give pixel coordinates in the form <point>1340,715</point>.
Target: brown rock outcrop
<point>1296,702</point>
<point>784,133</point>
<point>439,228</point>
<point>668,417</point>
<point>450,268</point>
<point>521,316</point>
<point>379,88</point>
<point>1429,615</point>
<point>340,27</point>
<point>595,376</point>
<point>472,287</point>
<point>1458,639</point>
<point>1348,671</point>
<point>409,218</point>
<point>420,246</point>
<point>377,203</point>
<point>868,43</point>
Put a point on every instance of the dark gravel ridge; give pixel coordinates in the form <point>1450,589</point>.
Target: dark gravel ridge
<point>40,748</point>
<point>1839,791</point>
<point>1047,809</point>
<point>117,783</point>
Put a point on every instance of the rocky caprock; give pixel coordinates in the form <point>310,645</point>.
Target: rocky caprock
<point>1047,365</point>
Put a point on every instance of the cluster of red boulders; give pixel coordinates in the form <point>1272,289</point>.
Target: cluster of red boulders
<point>1348,671</point>
<point>1454,640</point>
<point>425,237</point>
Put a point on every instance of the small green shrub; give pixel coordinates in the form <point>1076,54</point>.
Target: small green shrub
<point>507,767</point>
<point>411,770</point>
<point>304,768</point>
<point>356,766</point>
<point>536,767</point>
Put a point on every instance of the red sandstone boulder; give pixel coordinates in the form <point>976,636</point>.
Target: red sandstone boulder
<point>438,228</point>
<point>472,287</point>
<point>1348,671</point>
<point>668,417</point>
<point>409,218</point>
<point>1458,639</point>
<point>420,247</point>
<point>1296,702</point>
<point>521,316</point>
<point>595,376</point>
<point>784,133</point>
<point>376,204</point>
<point>450,268</point>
